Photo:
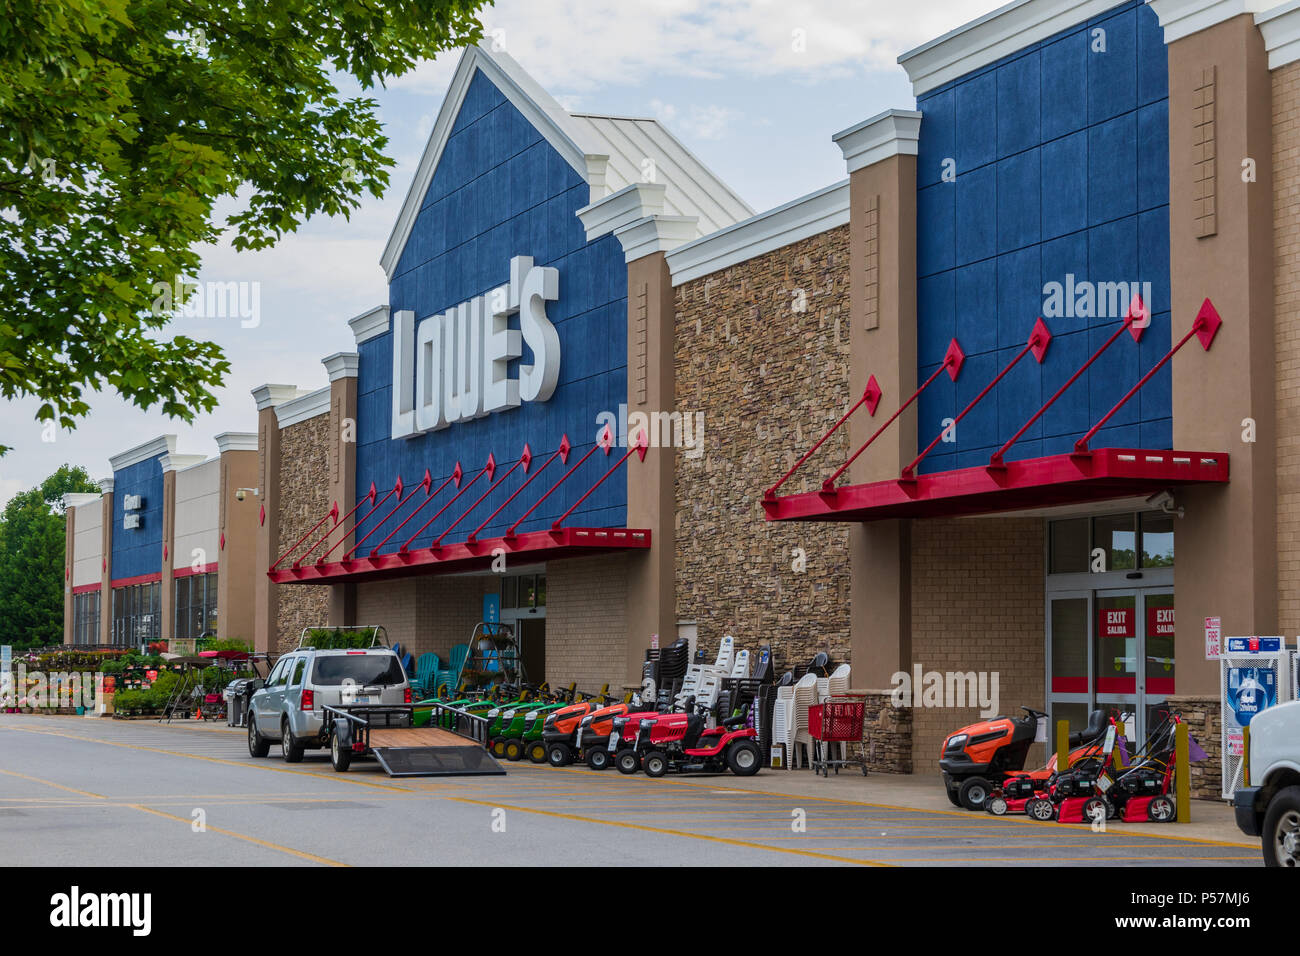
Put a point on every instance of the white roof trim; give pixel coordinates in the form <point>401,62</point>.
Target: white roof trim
<point>236,441</point>
<point>1281,30</point>
<point>162,445</point>
<point>268,396</point>
<point>105,485</point>
<point>368,325</point>
<point>537,106</point>
<point>75,499</point>
<point>806,216</point>
<point>175,462</point>
<point>991,37</point>
<point>655,234</point>
<point>303,407</point>
<point>622,208</point>
<point>341,365</point>
<point>891,133</point>
<point>1182,18</point>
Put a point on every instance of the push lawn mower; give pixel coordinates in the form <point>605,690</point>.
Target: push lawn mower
<point>1017,789</point>
<point>980,757</point>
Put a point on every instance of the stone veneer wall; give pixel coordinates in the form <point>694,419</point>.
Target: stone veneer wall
<point>586,620</point>
<point>887,734</point>
<point>304,497</point>
<point>1286,304</point>
<point>977,605</point>
<point>1205,723</point>
<point>770,381</point>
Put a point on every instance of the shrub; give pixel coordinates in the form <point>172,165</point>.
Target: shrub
<point>339,638</point>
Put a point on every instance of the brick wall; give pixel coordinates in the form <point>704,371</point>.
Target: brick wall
<point>304,497</point>
<point>977,605</point>
<point>1286,280</point>
<point>770,381</point>
<point>586,622</point>
<point>425,613</point>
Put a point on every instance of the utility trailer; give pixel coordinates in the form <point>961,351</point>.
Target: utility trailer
<point>387,733</point>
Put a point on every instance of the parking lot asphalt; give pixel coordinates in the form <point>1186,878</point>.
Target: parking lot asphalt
<point>76,791</point>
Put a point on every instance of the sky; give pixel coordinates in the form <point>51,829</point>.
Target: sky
<point>755,88</point>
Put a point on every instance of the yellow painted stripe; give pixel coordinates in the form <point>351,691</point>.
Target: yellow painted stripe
<point>241,836</point>
<point>665,832</point>
<point>51,783</point>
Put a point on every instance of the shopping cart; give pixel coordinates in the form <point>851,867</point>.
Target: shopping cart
<point>836,720</point>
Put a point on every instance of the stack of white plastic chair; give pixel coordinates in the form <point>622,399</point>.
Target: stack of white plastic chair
<point>741,667</point>
<point>805,695</point>
<point>839,681</point>
<point>706,694</point>
<point>783,721</point>
<point>726,653</point>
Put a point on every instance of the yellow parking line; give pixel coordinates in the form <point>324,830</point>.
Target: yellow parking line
<point>241,836</point>
<point>51,783</point>
<point>681,833</point>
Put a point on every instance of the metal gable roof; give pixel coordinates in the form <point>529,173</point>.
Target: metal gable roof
<point>607,151</point>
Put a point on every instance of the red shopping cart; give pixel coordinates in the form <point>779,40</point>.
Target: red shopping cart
<point>837,720</point>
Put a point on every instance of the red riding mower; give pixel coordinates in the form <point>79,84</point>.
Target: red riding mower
<point>561,726</point>
<point>981,758</point>
<point>680,742</point>
<point>595,734</point>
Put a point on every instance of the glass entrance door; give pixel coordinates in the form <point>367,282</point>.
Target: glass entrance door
<point>1113,650</point>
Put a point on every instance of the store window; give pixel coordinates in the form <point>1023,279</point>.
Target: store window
<point>196,605</point>
<point>523,592</point>
<point>136,613</point>
<point>85,618</point>
<point>1128,542</point>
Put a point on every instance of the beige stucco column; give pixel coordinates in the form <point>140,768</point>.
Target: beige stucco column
<point>342,369</point>
<point>1221,247</point>
<point>237,534</point>
<point>633,215</point>
<point>106,561</point>
<point>266,504</point>
<point>881,157</point>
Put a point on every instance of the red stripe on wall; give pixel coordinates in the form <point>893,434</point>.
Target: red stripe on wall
<point>84,588</point>
<point>186,571</point>
<point>138,579</point>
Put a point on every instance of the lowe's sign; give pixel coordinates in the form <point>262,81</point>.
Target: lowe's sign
<point>458,368</point>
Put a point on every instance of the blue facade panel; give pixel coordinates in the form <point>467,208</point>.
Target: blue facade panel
<point>1061,161</point>
<point>138,551</point>
<point>500,190</point>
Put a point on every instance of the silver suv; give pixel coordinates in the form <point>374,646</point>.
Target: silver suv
<point>288,707</point>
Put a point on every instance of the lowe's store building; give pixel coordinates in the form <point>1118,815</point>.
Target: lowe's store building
<point>1018,395</point>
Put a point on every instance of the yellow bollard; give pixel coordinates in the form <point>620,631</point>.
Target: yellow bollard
<point>1182,775</point>
<point>1062,745</point>
<point>1114,754</point>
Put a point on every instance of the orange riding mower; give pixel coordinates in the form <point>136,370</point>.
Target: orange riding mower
<point>990,756</point>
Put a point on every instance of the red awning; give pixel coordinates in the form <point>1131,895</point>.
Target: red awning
<point>455,545</point>
<point>1098,475</point>
<point>1079,477</point>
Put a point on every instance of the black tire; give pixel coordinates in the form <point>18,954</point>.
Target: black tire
<point>258,746</point>
<point>952,795</point>
<point>559,755</point>
<point>340,756</point>
<point>655,763</point>
<point>743,758</point>
<point>498,746</point>
<point>1281,833</point>
<point>996,805</point>
<point>598,758</point>
<point>513,749</point>
<point>973,792</point>
<point>535,750</point>
<point>1040,809</point>
<point>627,761</point>
<point>1162,809</point>
<point>290,748</point>
<point>1090,806</point>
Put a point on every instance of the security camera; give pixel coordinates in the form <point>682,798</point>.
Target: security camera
<point>239,495</point>
<point>1164,500</point>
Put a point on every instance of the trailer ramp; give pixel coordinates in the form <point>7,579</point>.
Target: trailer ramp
<point>431,752</point>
